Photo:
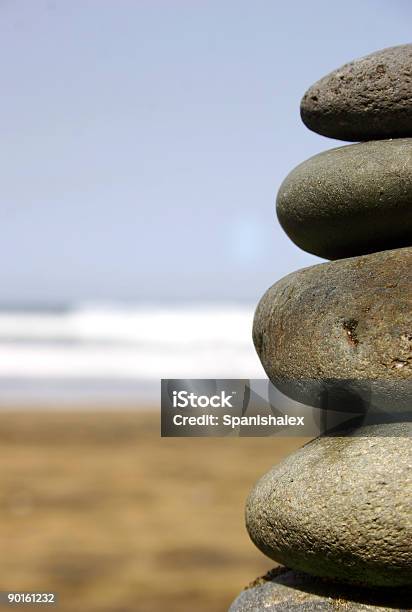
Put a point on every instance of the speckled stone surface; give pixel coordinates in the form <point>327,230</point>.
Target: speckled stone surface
<point>340,508</point>
<point>367,99</point>
<point>286,590</point>
<point>349,201</point>
<point>348,320</point>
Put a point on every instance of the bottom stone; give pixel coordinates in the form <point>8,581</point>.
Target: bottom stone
<point>284,589</point>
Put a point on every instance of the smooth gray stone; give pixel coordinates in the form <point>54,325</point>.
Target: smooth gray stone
<point>367,99</point>
<point>283,589</point>
<point>340,508</point>
<point>349,201</point>
<point>346,322</point>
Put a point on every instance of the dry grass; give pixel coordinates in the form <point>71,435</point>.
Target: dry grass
<point>99,508</point>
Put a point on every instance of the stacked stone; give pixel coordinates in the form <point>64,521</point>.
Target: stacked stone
<point>338,513</point>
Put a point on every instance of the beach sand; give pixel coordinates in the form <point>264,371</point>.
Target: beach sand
<point>98,508</point>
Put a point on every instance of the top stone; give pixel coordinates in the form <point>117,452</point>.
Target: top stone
<point>367,99</point>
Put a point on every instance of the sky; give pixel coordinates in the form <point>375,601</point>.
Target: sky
<point>143,143</point>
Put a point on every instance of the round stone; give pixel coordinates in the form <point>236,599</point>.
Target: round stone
<point>347,322</point>
<point>367,99</point>
<point>340,508</point>
<point>285,590</point>
<point>349,201</point>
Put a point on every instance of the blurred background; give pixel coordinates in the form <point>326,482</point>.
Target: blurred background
<point>142,145</point>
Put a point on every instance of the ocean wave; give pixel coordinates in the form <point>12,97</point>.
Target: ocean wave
<point>188,325</point>
<point>128,343</point>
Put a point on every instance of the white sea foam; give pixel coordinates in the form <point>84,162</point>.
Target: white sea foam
<point>117,349</point>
